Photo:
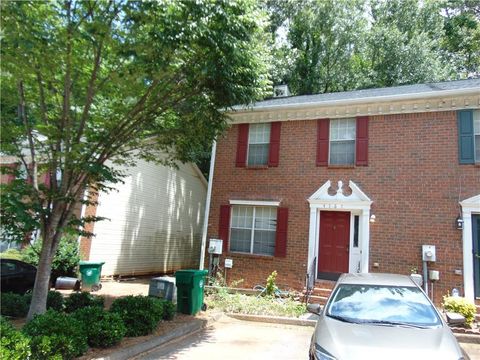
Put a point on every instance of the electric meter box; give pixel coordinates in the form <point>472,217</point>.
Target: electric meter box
<point>215,246</point>
<point>428,253</point>
<point>163,287</point>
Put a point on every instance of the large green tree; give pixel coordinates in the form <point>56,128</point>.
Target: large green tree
<point>88,84</point>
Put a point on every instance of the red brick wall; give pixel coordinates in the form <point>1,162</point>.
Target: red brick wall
<point>413,178</point>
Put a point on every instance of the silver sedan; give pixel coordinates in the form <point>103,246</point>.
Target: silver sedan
<point>381,316</point>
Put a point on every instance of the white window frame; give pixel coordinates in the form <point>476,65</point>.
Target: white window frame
<point>254,205</point>
<point>332,121</point>
<point>257,143</point>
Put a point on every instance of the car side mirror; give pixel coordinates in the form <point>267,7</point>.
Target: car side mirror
<point>455,318</point>
<point>314,308</point>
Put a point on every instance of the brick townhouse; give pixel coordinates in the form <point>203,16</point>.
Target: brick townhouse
<point>352,182</point>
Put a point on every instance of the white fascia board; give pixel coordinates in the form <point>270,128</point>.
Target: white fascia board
<point>254,203</point>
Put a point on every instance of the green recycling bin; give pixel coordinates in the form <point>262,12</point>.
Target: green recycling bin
<point>190,285</point>
<point>91,271</point>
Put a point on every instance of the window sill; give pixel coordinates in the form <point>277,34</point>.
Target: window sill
<point>341,166</point>
<point>257,167</point>
<point>250,256</point>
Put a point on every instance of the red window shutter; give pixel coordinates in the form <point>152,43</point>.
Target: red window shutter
<point>224,226</point>
<point>274,151</point>
<point>46,179</point>
<point>361,150</point>
<point>242,145</point>
<point>323,130</point>
<point>281,235</point>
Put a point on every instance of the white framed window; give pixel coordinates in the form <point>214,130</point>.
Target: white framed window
<point>258,144</point>
<point>253,229</point>
<point>342,141</point>
<point>476,134</point>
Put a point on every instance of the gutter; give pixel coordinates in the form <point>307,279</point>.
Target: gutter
<point>358,101</point>
<point>207,206</point>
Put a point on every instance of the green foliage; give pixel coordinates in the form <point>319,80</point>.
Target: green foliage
<point>14,305</point>
<point>11,254</point>
<point>13,344</point>
<point>103,329</point>
<point>271,285</point>
<point>65,261</point>
<point>55,300</point>
<point>169,310</point>
<point>140,314</point>
<point>83,299</point>
<point>254,305</point>
<point>462,306</point>
<point>55,334</point>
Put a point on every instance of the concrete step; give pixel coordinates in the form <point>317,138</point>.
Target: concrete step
<point>315,299</point>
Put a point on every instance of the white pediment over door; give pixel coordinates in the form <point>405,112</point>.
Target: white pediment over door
<point>472,203</point>
<point>350,197</point>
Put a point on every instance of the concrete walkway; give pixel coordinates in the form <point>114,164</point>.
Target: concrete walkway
<point>236,339</point>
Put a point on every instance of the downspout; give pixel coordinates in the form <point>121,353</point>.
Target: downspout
<point>207,205</point>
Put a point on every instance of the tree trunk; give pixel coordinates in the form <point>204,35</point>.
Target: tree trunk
<point>42,279</point>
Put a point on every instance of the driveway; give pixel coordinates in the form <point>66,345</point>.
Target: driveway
<point>236,339</point>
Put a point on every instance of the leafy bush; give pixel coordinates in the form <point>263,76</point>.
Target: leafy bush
<point>169,310</point>
<point>56,335</point>
<point>103,329</point>
<point>11,254</point>
<point>13,344</point>
<point>83,299</point>
<point>140,314</point>
<point>271,286</point>
<point>462,306</point>
<point>65,261</point>
<point>54,300</point>
<point>14,305</point>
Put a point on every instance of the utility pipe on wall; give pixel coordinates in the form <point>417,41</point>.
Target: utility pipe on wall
<point>207,205</point>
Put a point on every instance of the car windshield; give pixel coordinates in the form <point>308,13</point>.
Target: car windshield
<point>382,305</point>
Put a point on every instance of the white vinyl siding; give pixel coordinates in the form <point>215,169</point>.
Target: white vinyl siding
<point>253,229</point>
<point>155,221</point>
<point>342,141</point>
<point>258,144</point>
<point>476,134</point>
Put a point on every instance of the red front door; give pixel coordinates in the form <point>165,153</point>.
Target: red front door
<point>334,242</point>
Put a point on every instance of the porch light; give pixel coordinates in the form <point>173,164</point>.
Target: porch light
<point>372,218</point>
<point>459,223</point>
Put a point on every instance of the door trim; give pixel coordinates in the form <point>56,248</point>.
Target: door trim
<point>469,206</point>
<point>357,203</point>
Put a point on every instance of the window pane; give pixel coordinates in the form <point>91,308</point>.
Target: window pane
<point>264,242</point>
<point>258,154</point>
<point>242,217</point>
<point>342,152</point>
<point>259,134</point>
<point>342,129</point>
<point>476,122</point>
<point>265,218</point>
<point>240,240</point>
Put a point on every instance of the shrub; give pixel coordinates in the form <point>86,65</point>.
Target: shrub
<point>65,261</point>
<point>56,335</point>
<point>13,344</point>
<point>103,329</point>
<point>169,310</point>
<point>271,286</point>
<point>462,306</point>
<point>83,299</point>
<point>140,314</point>
<point>14,305</point>
<point>54,300</point>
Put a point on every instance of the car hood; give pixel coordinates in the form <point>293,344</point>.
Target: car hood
<point>363,341</point>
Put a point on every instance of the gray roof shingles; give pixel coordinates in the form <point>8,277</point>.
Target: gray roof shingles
<point>366,93</point>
